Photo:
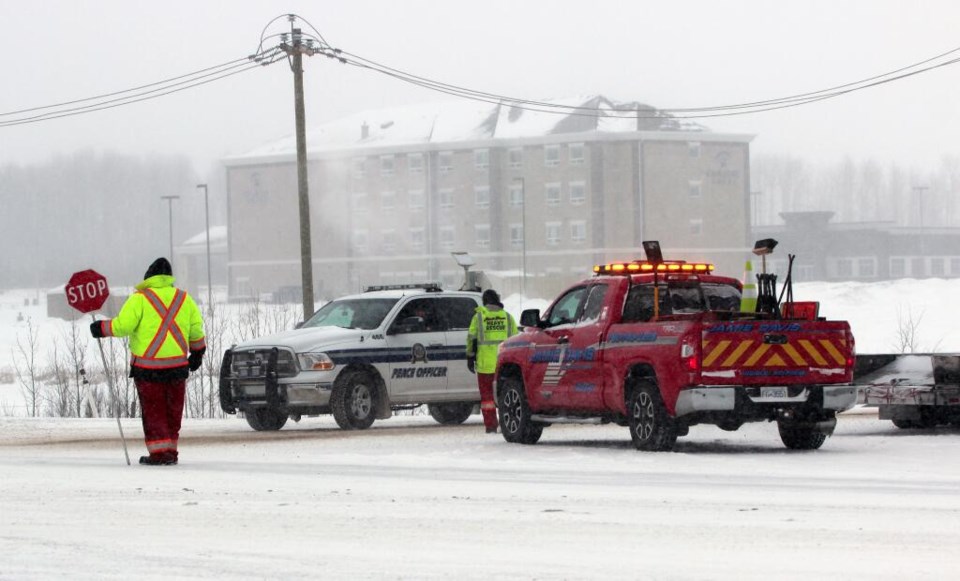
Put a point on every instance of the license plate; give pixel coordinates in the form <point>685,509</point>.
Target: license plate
<point>773,392</point>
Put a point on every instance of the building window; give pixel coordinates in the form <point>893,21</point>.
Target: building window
<point>696,226</point>
<point>693,148</point>
<point>515,158</point>
<point>516,194</point>
<point>553,233</point>
<point>389,241</point>
<point>576,153</point>
<point>553,194</point>
<point>416,199</point>
<point>386,165</point>
<point>898,268</point>
<point>481,196</point>
<point>388,200</point>
<point>446,197</point>
<point>360,240</point>
<point>917,267</point>
<point>866,267</point>
<point>447,237</point>
<point>481,234</point>
<point>955,266</point>
<point>578,193</point>
<point>551,155</point>
<point>844,267</point>
<point>481,158</point>
<point>359,167</point>
<point>445,161</point>
<point>415,163</point>
<point>360,201</point>
<point>936,266</point>
<point>695,188</point>
<point>516,234</point>
<point>417,238</point>
<point>578,230</point>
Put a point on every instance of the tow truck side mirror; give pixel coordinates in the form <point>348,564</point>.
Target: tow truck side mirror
<point>530,318</point>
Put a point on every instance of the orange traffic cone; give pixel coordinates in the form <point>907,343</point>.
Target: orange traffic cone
<point>748,299</point>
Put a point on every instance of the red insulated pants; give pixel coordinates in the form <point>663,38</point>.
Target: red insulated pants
<point>487,406</point>
<point>162,404</point>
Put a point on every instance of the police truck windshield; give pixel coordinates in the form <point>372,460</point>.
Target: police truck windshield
<point>366,314</point>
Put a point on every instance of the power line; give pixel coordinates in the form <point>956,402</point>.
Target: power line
<point>166,87</point>
<point>675,113</point>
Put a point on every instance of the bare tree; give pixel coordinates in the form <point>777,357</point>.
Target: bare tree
<point>908,324</point>
<point>59,395</point>
<point>26,367</point>
<point>76,343</point>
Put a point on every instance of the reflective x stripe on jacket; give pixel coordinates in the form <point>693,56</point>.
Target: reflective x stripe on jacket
<point>168,325</point>
<point>163,324</point>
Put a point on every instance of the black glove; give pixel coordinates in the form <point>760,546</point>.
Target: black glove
<point>472,364</point>
<point>96,330</point>
<point>195,359</point>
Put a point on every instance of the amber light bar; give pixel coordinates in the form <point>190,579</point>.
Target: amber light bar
<point>645,266</point>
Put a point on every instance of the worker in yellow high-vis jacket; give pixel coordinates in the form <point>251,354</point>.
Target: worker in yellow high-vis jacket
<point>166,343</point>
<point>491,325</point>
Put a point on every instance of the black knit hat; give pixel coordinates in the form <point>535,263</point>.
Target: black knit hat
<point>490,297</point>
<point>159,266</point>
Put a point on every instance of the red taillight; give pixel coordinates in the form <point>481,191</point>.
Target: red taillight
<point>688,353</point>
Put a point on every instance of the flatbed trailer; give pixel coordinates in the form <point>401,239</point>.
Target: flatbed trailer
<point>919,390</point>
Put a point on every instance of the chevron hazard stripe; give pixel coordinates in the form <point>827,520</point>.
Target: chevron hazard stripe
<point>737,352</point>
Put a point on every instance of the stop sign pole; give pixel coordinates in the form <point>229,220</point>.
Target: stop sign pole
<point>86,291</point>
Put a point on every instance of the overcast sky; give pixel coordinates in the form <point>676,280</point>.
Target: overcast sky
<point>681,53</point>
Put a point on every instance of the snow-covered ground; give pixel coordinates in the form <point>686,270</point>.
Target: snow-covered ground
<point>409,499</point>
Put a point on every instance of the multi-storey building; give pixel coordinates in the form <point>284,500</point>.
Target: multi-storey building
<point>537,198</point>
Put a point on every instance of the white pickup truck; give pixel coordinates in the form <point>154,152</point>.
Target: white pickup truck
<point>359,357</point>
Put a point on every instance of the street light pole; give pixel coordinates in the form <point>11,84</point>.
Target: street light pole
<point>206,212</point>
<point>170,200</point>
<point>920,190</point>
<point>523,240</point>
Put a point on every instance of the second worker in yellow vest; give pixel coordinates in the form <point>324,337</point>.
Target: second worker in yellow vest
<point>491,325</point>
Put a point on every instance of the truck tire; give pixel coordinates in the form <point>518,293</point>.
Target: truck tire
<point>352,401</point>
<point>450,414</point>
<point>266,419</point>
<point>651,427</point>
<point>904,424</point>
<point>801,436</point>
<point>515,421</point>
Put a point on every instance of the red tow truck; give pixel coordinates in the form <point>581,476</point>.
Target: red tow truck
<point>659,346</point>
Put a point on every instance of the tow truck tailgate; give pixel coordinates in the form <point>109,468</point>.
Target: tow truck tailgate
<point>750,352</point>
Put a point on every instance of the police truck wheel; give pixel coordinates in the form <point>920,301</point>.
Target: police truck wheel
<point>450,414</point>
<point>798,436</point>
<point>352,401</point>
<point>266,419</point>
<point>651,427</point>
<point>515,422</point>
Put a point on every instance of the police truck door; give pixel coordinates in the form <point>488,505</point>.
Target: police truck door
<point>416,340</point>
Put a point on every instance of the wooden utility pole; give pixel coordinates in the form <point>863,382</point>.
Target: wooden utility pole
<point>296,49</point>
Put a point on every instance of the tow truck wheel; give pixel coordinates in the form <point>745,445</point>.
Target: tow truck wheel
<point>651,427</point>
<point>266,419</point>
<point>904,424</point>
<point>801,436</point>
<point>450,414</point>
<point>515,422</point>
<point>352,401</point>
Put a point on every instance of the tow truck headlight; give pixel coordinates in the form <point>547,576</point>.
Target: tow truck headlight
<point>315,362</point>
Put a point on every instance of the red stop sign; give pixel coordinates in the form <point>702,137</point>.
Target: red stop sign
<point>87,291</point>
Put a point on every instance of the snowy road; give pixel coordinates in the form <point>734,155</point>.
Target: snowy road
<point>413,500</point>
